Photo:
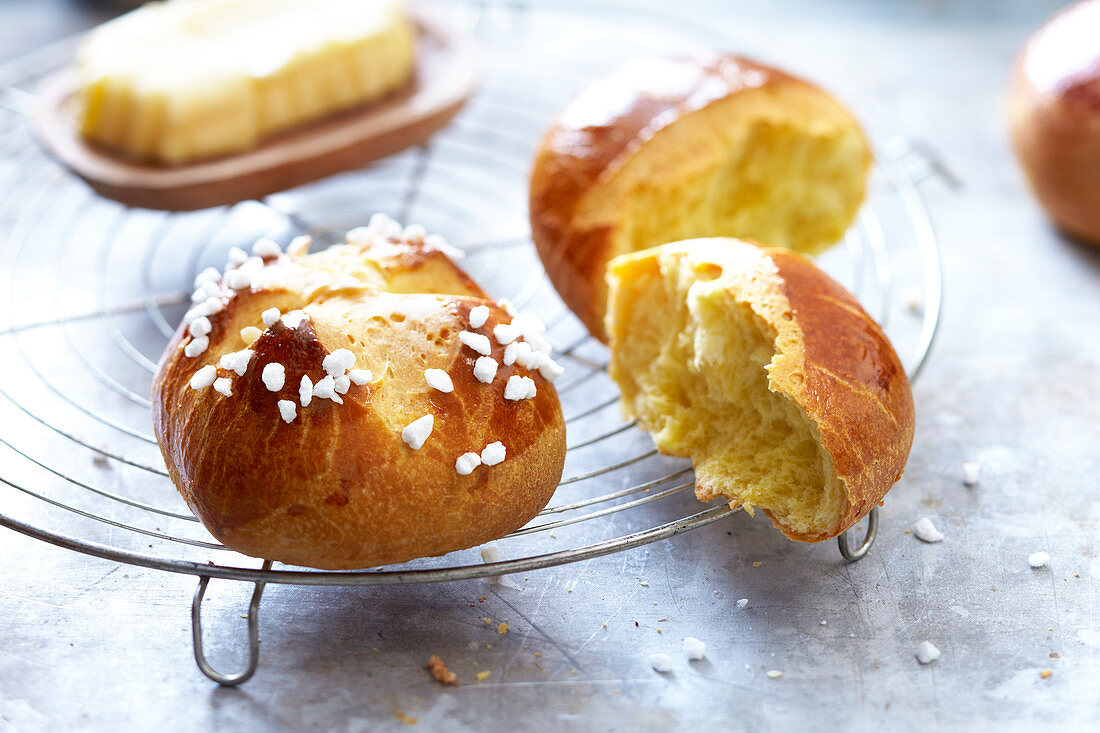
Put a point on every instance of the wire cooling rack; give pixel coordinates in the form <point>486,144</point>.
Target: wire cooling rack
<point>91,291</point>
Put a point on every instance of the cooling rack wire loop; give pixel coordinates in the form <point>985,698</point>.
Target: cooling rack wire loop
<point>88,396</point>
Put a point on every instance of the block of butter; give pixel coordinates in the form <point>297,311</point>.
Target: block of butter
<point>178,81</point>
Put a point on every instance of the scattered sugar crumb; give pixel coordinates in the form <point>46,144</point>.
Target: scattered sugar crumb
<point>660,662</point>
<point>489,553</point>
<point>927,652</point>
<point>757,564</point>
<point>1046,673</point>
<point>694,649</point>
<point>926,531</point>
<point>824,622</point>
<point>645,583</point>
<point>440,673</point>
<point>914,301</point>
<point>483,675</point>
<point>1038,559</point>
<point>971,473</point>
<point>488,621</point>
<point>743,602</point>
<point>774,674</point>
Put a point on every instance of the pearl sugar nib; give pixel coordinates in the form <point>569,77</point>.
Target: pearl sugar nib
<point>485,369</point>
<point>493,454</point>
<point>519,388</point>
<point>418,431</point>
<point>338,362</point>
<point>204,377</point>
<point>478,316</point>
<point>439,379</point>
<point>466,463</point>
<point>287,410</point>
<point>274,376</point>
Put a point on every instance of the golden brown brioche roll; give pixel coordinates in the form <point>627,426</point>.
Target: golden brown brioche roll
<point>668,149</point>
<point>765,372</point>
<point>1054,118</point>
<point>338,471</point>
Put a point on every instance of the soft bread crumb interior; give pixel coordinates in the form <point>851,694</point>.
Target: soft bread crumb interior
<point>767,181</point>
<point>691,358</point>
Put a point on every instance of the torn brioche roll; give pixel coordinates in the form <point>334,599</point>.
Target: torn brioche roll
<point>767,374</point>
<point>668,149</point>
<point>362,406</point>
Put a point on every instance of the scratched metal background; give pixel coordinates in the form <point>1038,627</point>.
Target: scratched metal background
<point>1013,384</point>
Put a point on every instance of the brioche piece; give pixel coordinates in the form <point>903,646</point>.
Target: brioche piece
<point>1054,118</point>
<point>765,372</point>
<point>178,81</point>
<point>667,149</point>
<point>344,479</point>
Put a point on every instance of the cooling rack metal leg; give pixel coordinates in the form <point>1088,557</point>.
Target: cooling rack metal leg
<point>229,680</point>
<point>868,540</point>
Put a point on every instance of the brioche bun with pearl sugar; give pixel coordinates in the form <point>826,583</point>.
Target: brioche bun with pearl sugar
<point>302,459</point>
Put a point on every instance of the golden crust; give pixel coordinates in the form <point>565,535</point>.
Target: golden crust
<point>611,121</point>
<point>832,360</point>
<point>337,487</point>
<point>1053,112</point>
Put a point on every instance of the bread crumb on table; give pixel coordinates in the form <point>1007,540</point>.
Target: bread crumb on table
<point>743,602</point>
<point>1046,673</point>
<point>502,629</point>
<point>406,719</point>
<point>757,564</point>
<point>440,673</point>
<point>483,675</point>
<point>774,674</point>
